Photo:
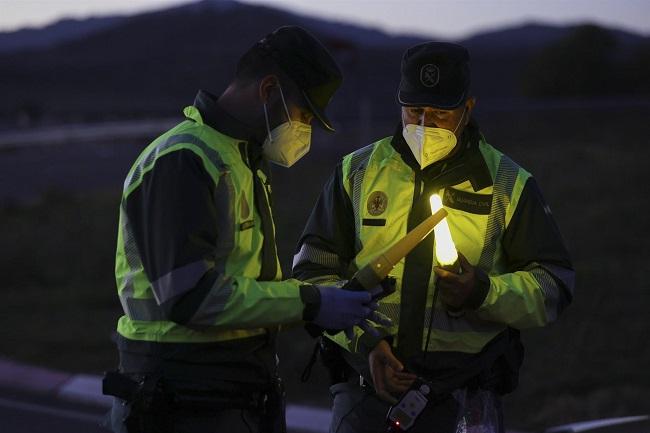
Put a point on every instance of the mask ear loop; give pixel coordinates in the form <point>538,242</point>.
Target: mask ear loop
<point>461,119</point>
<point>286,110</point>
<point>266,114</point>
<point>268,126</point>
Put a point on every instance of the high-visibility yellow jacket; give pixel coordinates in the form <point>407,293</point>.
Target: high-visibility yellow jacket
<point>196,259</point>
<point>497,218</point>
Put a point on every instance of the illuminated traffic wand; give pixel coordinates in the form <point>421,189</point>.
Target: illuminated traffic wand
<point>446,253</point>
<point>373,276</point>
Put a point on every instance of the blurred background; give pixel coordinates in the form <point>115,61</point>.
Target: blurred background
<point>562,87</point>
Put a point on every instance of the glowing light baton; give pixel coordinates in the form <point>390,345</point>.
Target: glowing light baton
<point>446,253</point>
<point>370,276</point>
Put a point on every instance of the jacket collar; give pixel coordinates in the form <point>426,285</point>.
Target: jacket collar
<point>467,164</point>
<point>219,119</point>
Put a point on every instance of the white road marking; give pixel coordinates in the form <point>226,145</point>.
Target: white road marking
<point>47,410</point>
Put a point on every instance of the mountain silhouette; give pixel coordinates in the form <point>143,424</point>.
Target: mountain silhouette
<point>53,34</point>
<point>151,64</point>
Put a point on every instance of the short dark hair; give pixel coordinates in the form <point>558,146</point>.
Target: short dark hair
<point>255,64</point>
<point>310,70</point>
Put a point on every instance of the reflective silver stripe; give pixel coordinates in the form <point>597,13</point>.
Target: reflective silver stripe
<point>554,298</point>
<point>130,248</point>
<point>141,309</point>
<point>469,322</point>
<point>504,183</point>
<point>550,290</point>
<point>309,253</point>
<point>131,306</point>
<point>182,279</point>
<point>564,275</point>
<point>358,163</point>
<point>326,280</point>
<point>214,302</point>
<point>390,310</point>
<point>357,181</point>
<point>178,281</point>
<point>135,309</point>
<point>150,158</point>
<point>126,293</point>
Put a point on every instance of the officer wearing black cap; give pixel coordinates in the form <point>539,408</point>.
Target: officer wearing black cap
<point>434,75</point>
<point>197,268</point>
<point>458,308</point>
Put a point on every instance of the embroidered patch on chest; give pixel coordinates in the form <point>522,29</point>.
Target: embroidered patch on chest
<point>377,203</point>
<point>467,201</point>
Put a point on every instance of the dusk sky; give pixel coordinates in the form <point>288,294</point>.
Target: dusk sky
<point>443,18</point>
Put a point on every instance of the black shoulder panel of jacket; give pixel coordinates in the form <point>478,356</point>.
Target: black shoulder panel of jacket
<point>182,309</point>
<point>330,228</point>
<point>172,215</point>
<point>533,237</point>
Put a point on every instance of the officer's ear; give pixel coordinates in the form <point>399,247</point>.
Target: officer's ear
<point>469,107</point>
<point>265,86</point>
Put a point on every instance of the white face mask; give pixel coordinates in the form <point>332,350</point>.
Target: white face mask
<point>430,144</point>
<point>288,142</point>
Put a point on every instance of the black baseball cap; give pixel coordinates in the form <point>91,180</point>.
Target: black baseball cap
<point>308,63</point>
<point>434,74</point>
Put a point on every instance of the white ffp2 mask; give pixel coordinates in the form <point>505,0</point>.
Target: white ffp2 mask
<point>288,142</point>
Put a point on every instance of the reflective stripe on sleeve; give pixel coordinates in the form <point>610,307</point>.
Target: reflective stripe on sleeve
<point>468,322</point>
<point>148,160</point>
<point>214,302</point>
<point>179,281</point>
<point>141,309</point>
<point>309,253</point>
<point>554,299</point>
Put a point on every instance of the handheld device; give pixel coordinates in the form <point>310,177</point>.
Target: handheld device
<point>403,415</point>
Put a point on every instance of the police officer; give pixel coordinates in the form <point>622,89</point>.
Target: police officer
<point>197,268</point>
<point>458,330</point>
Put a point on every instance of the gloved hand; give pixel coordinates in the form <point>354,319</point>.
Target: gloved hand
<point>342,309</point>
<point>376,317</point>
<point>465,290</point>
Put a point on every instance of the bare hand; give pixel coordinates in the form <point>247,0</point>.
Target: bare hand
<point>387,373</point>
<point>454,288</point>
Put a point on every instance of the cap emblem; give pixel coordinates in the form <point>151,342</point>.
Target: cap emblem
<point>429,75</point>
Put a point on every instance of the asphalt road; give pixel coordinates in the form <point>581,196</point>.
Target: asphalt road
<point>22,412</point>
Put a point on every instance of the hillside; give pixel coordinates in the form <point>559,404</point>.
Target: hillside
<point>150,65</point>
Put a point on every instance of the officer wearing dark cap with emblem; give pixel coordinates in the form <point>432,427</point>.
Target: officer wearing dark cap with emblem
<point>196,266</point>
<point>455,333</point>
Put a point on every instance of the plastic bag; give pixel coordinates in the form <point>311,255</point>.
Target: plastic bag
<point>479,412</point>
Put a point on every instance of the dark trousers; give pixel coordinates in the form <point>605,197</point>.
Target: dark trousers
<point>228,420</point>
<point>204,369</point>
